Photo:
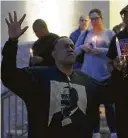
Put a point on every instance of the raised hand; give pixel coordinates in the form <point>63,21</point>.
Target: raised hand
<point>14,26</point>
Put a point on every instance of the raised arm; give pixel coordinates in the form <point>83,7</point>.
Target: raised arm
<point>20,81</point>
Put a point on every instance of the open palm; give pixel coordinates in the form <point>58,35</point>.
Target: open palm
<point>14,26</point>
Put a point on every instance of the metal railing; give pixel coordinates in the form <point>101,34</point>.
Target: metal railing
<point>13,123</point>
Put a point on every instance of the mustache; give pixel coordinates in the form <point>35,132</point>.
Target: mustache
<point>71,52</point>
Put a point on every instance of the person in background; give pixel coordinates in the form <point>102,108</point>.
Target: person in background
<point>95,48</point>
<point>118,28</point>
<point>120,75</point>
<point>83,26</point>
<point>42,47</point>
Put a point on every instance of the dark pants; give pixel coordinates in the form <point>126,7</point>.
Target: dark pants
<point>109,112</point>
<point>110,117</point>
<point>121,108</point>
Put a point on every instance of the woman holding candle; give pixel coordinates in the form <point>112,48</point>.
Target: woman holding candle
<point>118,55</point>
<point>95,47</point>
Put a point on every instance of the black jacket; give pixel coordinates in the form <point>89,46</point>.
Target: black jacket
<point>120,85</point>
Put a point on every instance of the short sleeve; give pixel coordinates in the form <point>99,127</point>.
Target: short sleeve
<point>112,51</point>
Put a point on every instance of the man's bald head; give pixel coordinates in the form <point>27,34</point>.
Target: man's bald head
<point>38,24</point>
<point>61,40</point>
<point>40,27</point>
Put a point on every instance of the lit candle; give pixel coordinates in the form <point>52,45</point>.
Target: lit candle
<point>31,52</point>
<point>124,57</point>
<point>118,47</point>
<point>121,28</point>
<point>94,41</point>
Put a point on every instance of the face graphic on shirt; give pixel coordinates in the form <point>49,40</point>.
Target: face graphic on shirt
<point>69,99</point>
<point>65,101</point>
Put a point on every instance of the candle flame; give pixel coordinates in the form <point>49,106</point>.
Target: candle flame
<point>121,28</point>
<point>94,38</point>
<point>117,39</point>
<point>31,51</point>
<point>124,57</point>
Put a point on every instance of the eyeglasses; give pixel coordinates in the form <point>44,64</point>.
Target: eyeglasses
<point>82,20</point>
<point>94,19</point>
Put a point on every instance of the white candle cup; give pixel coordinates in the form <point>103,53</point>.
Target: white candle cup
<point>118,48</point>
<point>124,57</point>
<point>94,41</point>
<point>31,52</point>
<point>121,62</point>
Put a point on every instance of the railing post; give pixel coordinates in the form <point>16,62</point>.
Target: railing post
<point>11,133</point>
<point>22,117</point>
<point>15,116</point>
<point>9,116</point>
<point>2,118</point>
